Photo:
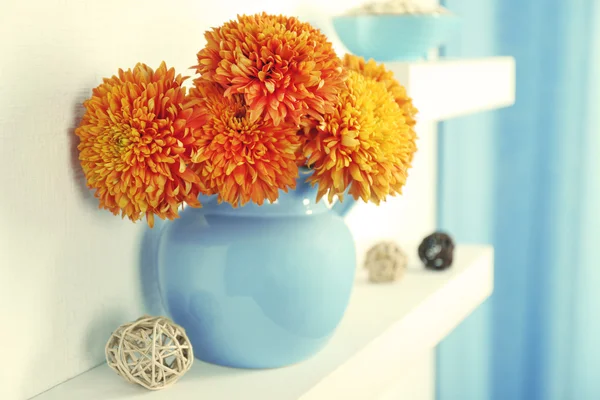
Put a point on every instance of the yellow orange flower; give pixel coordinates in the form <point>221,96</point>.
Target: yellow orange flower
<point>240,157</point>
<point>378,72</point>
<point>134,146</point>
<point>364,145</point>
<point>370,69</point>
<point>284,68</point>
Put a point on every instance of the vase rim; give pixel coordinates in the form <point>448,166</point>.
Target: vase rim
<point>298,202</point>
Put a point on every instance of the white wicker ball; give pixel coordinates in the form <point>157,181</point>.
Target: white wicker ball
<point>385,262</point>
<point>153,352</point>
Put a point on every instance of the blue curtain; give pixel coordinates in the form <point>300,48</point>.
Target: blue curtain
<point>527,180</point>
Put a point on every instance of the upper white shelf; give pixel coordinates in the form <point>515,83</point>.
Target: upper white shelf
<point>386,326</point>
<point>443,89</point>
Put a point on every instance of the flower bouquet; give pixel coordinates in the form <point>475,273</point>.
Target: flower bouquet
<point>274,121</point>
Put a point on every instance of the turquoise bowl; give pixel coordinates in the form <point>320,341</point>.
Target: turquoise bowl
<point>394,37</point>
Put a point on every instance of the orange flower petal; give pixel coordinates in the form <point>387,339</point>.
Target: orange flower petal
<point>240,158</point>
<point>282,67</point>
<point>134,147</point>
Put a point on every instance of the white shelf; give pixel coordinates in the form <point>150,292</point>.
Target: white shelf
<point>443,89</point>
<point>384,328</point>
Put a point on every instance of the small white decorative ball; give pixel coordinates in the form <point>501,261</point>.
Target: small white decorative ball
<point>385,262</point>
<point>153,352</point>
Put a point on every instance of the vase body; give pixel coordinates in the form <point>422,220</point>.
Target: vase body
<point>257,287</point>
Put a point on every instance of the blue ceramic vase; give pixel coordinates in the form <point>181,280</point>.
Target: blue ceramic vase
<point>258,287</point>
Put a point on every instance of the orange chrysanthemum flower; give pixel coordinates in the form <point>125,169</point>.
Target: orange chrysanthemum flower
<point>240,156</point>
<point>284,68</point>
<point>364,145</point>
<point>134,146</point>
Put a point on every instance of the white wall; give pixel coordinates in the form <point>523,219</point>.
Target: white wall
<point>68,271</point>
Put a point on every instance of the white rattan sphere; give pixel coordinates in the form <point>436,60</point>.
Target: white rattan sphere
<point>385,262</point>
<point>153,352</point>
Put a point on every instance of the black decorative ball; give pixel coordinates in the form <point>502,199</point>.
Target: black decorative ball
<point>436,251</point>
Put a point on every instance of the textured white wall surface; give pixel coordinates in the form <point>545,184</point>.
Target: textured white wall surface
<point>68,271</point>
